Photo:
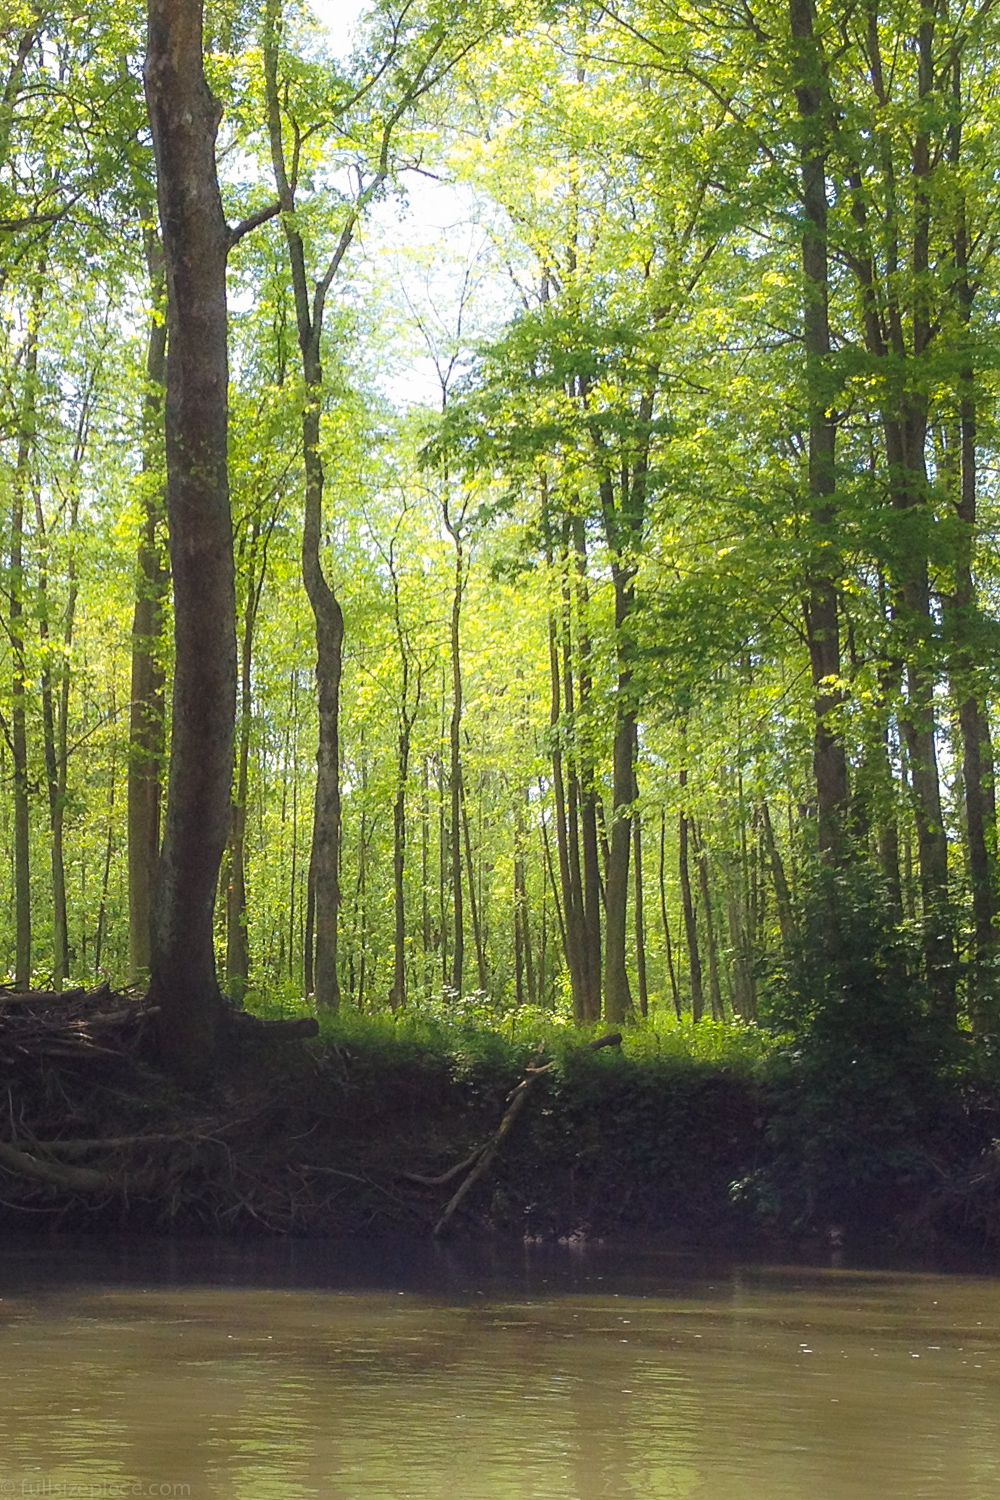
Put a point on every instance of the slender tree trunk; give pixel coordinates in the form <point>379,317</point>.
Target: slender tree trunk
<point>782,895</point>
<point>524,960</point>
<point>983,1003</point>
<point>426,938</point>
<point>820,606</point>
<point>237,933</point>
<point>184,117</point>
<point>617,998</point>
<point>640,919</point>
<point>904,426</point>
<point>711,946</point>
<point>457,975</point>
<point>578,927</point>
<point>19,729</point>
<point>397,990</point>
<point>589,800</point>
<point>146,700</point>
<point>327,613</point>
<point>109,844</point>
<point>407,718</point>
<point>474,904</point>
<point>54,737</point>
<point>667,943</point>
<point>687,906</point>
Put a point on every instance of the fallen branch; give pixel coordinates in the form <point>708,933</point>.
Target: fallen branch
<point>56,1174</point>
<point>516,1100</point>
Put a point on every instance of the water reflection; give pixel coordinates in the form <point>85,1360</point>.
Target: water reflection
<point>548,1380</point>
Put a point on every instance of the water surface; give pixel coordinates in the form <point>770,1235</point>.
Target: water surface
<point>391,1372</point>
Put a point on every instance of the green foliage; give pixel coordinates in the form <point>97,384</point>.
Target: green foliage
<point>855,1085</point>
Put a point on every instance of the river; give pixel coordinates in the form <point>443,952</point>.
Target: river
<point>384,1372</point>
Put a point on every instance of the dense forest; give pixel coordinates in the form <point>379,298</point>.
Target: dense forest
<point>613,571</point>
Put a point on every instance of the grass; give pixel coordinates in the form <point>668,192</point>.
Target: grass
<point>473,1033</point>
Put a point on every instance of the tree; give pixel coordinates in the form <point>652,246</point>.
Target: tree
<point>184,116</point>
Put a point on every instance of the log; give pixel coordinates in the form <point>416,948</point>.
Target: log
<point>56,1174</point>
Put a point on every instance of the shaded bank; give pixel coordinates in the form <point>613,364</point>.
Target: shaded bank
<point>372,1131</point>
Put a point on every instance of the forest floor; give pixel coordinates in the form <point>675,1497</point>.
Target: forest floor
<point>335,1135</point>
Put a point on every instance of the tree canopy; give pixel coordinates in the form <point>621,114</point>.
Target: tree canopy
<point>603,592</point>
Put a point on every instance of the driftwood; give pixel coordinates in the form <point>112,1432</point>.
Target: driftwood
<point>483,1157</point>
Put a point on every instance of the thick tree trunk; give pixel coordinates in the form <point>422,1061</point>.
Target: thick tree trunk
<point>146,700</point>
<point>184,118</point>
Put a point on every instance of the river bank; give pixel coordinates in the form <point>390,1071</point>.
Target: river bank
<point>379,1129</point>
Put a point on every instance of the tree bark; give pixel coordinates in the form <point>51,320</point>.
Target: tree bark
<point>184,117</point>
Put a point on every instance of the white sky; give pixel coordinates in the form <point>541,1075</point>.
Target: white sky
<point>338,16</point>
<point>437,217</point>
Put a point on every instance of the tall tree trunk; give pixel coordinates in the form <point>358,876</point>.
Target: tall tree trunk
<point>146,699</point>
<point>19,729</point>
<point>55,692</point>
<point>820,606</point>
<point>667,942</point>
<point>310,307</point>
<point>578,879</point>
<point>196,240</point>
<point>237,933</point>
<point>474,912</point>
<point>409,706</point>
<point>109,844</point>
<point>524,958</point>
<point>711,945</point>
<point>982,1000</point>
<point>904,427</point>
<point>457,974</point>
<point>782,895</point>
<point>640,918</point>
<point>688,908</point>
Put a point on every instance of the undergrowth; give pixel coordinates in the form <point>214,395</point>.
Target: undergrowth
<point>472,1032</point>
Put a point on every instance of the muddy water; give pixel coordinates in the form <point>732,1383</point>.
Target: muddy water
<point>341,1374</point>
